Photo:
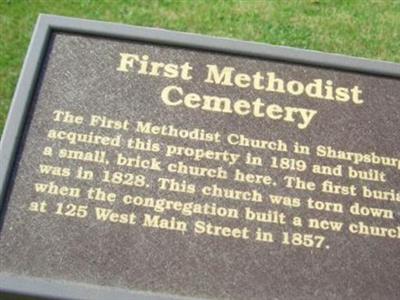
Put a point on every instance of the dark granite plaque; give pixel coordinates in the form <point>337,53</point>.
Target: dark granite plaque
<point>147,164</point>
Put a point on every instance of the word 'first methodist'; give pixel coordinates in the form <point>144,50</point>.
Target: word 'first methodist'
<point>174,95</point>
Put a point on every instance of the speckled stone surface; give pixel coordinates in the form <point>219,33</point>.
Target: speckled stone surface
<point>80,75</point>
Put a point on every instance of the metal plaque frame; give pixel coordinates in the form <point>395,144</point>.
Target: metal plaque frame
<point>18,287</point>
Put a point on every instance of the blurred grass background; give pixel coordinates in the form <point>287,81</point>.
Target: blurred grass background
<point>365,28</point>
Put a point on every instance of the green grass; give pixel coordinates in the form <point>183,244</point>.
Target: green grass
<point>363,28</point>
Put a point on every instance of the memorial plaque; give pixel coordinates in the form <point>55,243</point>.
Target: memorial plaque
<point>148,164</point>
